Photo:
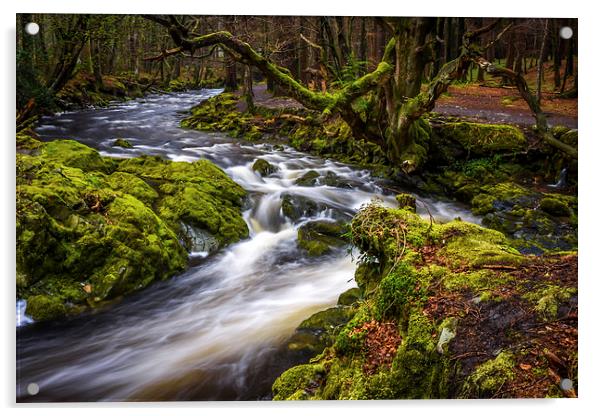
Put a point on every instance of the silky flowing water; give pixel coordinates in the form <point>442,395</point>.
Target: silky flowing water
<point>217,331</point>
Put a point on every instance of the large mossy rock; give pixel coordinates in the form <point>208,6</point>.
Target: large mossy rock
<point>446,311</point>
<point>536,219</point>
<point>484,139</point>
<point>321,236</point>
<point>91,229</point>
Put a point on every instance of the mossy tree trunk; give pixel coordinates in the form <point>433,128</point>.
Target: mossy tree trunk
<point>392,91</point>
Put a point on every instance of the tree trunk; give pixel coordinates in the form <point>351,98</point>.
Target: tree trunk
<point>230,83</point>
<point>557,54</point>
<point>540,62</point>
<point>248,89</point>
<point>96,67</point>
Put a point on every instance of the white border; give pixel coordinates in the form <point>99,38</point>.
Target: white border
<point>590,372</point>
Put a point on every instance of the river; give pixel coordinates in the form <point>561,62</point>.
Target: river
<point>215,332</point>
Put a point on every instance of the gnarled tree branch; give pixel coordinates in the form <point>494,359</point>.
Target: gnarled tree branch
<point>541,122</point>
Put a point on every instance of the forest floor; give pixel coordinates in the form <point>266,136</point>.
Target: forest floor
<point>473,101</point>
<point>503,105</point>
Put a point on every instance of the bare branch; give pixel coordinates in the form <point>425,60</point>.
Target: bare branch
<point>498,37</point>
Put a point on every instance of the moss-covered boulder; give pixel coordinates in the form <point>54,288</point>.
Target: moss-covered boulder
<point>349,297</point>
<point>446,312</point>
<point>318,331</point>
<point>319,237</point>
<point>484,139</point>
<point>122,143</point>
<point>309,178</point>
<point>555,206</point>
<point>90,230</point>
<point>263,167</point>
<point>536,221</point>
<point>197,193</point>
<point>75,155</point>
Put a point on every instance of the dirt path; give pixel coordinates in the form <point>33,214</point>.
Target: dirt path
<point>502,105</point>
<point>473,102</point>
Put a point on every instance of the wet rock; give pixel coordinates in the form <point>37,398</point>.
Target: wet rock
<point>350,296</point>
<point>296,207</point>
<point>263,167</point>
<point>122,143</point>
<point>319,330</point>
<point>332,179</point>
<point>319,237</point>
<point>308,179</point>
<point>555,207</point>
<point>197,240</point>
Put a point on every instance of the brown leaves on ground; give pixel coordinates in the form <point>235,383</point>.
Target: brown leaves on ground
<point>485,103</point>
<point>545,352</point>
<point>380,345</point>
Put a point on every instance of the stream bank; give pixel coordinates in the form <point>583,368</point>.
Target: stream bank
<point>522,187</point>
<point>218,330</point>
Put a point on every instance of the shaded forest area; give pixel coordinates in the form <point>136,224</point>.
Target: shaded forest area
<point>121,54</point>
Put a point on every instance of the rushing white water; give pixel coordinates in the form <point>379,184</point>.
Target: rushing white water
<point>215,331</point>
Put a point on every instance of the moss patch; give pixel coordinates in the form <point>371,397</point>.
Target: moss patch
<point>90,229</point>
<point>485,139</point>
<point>444,308</point>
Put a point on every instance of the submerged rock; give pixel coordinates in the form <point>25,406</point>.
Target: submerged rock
<point>296,206</point>
<point>263,167</point>
<point>122,143</point>
<point>319,237</point>
<point>308,179</point>
<point>197,240</point>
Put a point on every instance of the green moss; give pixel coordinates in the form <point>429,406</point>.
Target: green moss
<point>43,308</point>
<point>395,291</point>
<point>24,141</point>
<point>73,154</point>
<point>485,139</point>
<point>85,237</point>
<point>472,245</point>
<point>122,143</point>
<point>293,383</point>
<point>263,167</point>
<point>548,298</point>
<point>489,377</point>
<point>318,237</point>
<point>483,204</point>
<point>555,207</point>
<point>474,281</point>
<point>196,193</point>
<point>406,201</point>
<point>349,297</point>
<point>128,183</point>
